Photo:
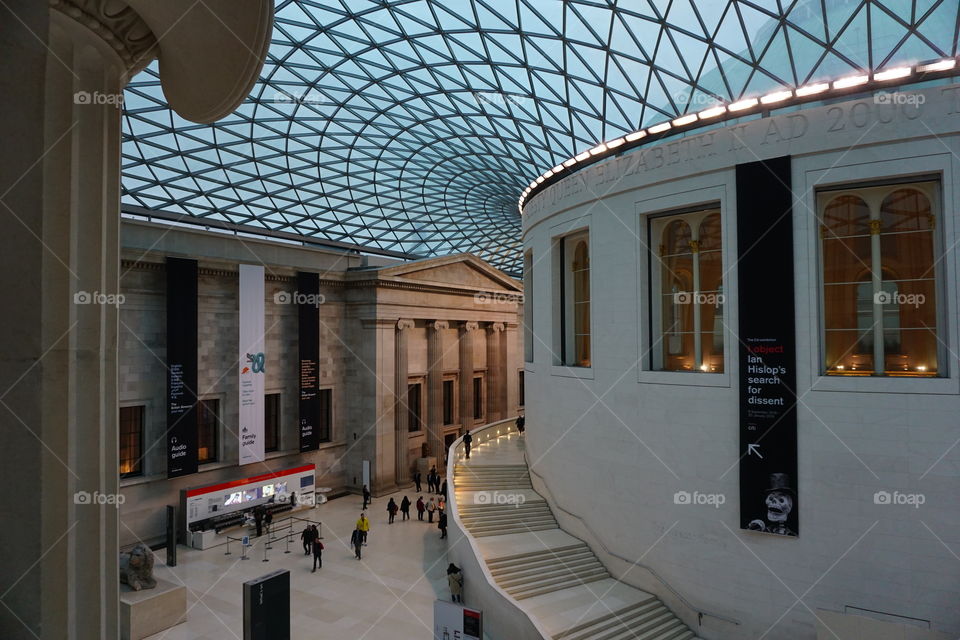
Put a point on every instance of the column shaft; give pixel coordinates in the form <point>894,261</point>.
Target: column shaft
<point>466,374</point>
<point>435,387</point>
<point>401,411</point>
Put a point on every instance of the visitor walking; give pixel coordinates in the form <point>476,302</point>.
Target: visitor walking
<point>431,476</point>
<point>307,538</point>
<point>443,490</point>
<point>417,478</point>
<point>420,508</point>
<point>431,507</point>
<point>405,508</point>
<point>521,423</point>
<point>317,555</point>
<point>467,441</point>
<point>366,497</point>
<point>268,520</point>
<point>442,525</point>
<point>356,541</point>
<point>391,510</point>
<point>258,519</point>
<point>363,525</point>
<point>455,582</point>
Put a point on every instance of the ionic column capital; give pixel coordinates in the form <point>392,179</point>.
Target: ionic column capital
<point>439,325</point>
<point>495,327</point>
<point>116,24</point>
<point>470,325</point>
<point>404,324</point>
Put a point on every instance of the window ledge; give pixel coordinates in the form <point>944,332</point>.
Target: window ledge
<point>884,384</point>
<point>563,371</point>
<point>685,378</point>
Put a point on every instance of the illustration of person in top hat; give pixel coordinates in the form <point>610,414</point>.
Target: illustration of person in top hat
<point>779,502</point>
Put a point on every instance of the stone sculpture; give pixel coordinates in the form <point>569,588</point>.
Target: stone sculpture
<point>136,568</point>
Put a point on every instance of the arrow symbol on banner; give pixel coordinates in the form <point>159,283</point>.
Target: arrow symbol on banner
<point>754,448</point>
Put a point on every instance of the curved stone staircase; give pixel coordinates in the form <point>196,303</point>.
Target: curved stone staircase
<point>551,575</point>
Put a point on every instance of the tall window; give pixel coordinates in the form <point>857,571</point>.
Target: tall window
<point>477,398</point>
<point>448,402</point>
<point>528,306</point>
<point>687,301</point>
<point>574,300</point>
<point>271,422</point>
<point>414,409</point>
<point>326,414</point>
<point>208,422</point>
<point>131,441</point>
<point>879,280</point>
<point>521,391</point>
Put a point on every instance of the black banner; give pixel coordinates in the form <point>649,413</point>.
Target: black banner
<point>307,297</point>
<point>181,367</point>
<point>768,415</point>
<point>266,607</point>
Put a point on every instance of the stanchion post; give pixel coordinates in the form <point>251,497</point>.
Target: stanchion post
<point>243,551</point>
<point>289,533</point>
<point>228,546</point>
<point>265,547</point>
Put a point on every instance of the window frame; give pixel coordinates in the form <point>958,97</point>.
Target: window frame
<point>479,399</point>
<point>419,413</point>
<point>139,470</point>
<point>454,394</point>
<point>278,430</point>
<point>329,415</point>
<point>877,190</point>
<point>217,440</point>
<point>656,225</point>
<point>564,338</point>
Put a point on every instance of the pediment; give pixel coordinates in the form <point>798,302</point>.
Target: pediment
<point>464,270</point>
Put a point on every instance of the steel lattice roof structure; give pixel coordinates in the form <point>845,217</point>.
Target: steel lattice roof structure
<point>412,126</point>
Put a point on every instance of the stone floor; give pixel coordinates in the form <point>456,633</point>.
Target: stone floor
<point>387,595</point>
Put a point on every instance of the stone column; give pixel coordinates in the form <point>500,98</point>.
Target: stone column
<point>67,62</point>
<point>495,372</point>
<point>435,387</point>
<point>401,412</point>
<point>466,374</point>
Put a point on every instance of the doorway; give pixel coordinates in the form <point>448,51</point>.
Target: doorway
<point>447,441</point>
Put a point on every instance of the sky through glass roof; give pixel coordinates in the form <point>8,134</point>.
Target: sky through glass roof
<point>413,125</point>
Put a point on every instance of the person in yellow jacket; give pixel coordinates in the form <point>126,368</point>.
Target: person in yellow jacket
<point>363,525</point>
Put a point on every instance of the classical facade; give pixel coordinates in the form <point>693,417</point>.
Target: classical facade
<point>410,355</point>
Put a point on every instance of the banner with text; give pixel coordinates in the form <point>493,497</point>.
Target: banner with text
<point>252,362</point>
<point>181,367</point>
<point>768,415</point>
<point>308,293</point>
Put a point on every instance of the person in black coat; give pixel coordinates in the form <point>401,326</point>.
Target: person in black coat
<point>521,423</point>
<point>317,554</point>
<point>467,442</point>
<point>442,525</point>
<point>443,490</point>
<point>258,519</point>
<point>405,508</point>
<point>307,538</point>
<point>366,497</point>
<point>356,540</point>
<point>417,479</point>
<point>391,510</point>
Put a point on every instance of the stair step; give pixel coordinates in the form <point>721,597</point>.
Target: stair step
<point>504,532</point>
<point>608,620</point>
<point>567,568</point>
<point>573,577</point>
<point>650,615</point>
<point>557,586</point>
<point>524,566</point>
<point>499,561</point>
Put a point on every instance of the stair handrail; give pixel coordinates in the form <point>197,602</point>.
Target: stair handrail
<point>699,611</point>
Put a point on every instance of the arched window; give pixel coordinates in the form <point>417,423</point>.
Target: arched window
<point>688,309</point>
<point>879,282</point>
<point>572,342</point>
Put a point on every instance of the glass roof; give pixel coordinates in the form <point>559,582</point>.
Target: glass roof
<point>413,125</point>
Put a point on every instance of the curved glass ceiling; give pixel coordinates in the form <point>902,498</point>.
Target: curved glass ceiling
<point>413,125</point>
